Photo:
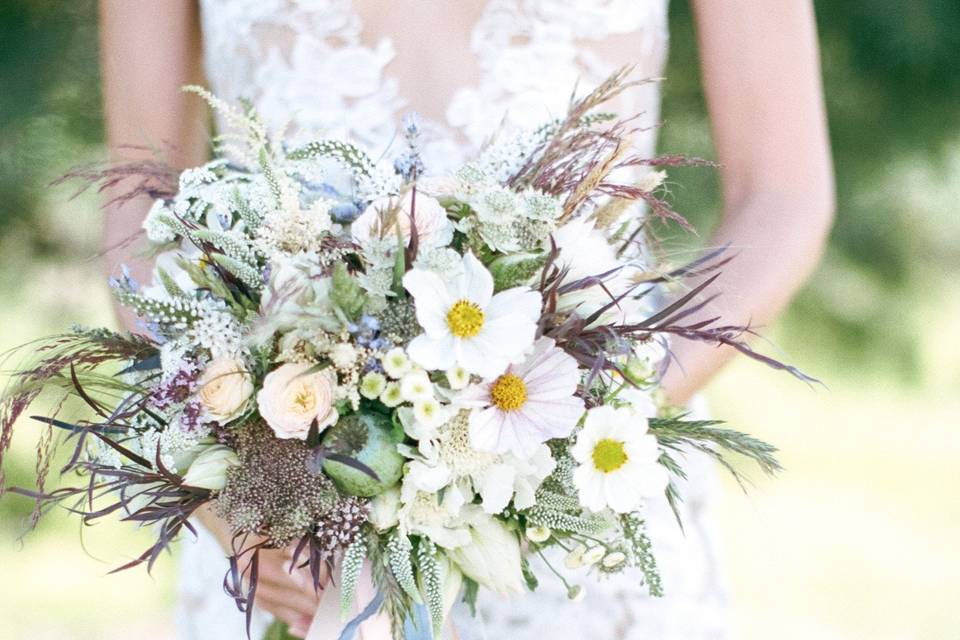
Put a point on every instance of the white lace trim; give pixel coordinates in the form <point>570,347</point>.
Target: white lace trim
<point>309,64</point>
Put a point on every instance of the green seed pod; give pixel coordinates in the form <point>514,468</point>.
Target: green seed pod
<point>370,439</point>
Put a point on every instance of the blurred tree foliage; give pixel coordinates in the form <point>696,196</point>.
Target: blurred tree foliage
<point>892,88</point>
<point>49,103</point>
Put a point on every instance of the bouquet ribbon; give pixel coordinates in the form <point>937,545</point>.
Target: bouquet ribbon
<point>368,624</point>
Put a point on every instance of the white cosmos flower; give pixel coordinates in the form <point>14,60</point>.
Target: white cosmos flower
<point>465,324</point>
<point>526,405</point>
<point>617,459</point>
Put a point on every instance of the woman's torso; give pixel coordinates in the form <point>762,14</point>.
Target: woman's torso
<point>354,68</point>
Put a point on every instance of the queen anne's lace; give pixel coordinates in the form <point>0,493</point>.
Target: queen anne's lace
<point>310,64</point>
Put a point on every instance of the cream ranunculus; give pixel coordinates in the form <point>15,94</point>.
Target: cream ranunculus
<point>292,397</point>
<point>382,217</point>
<point>225,387</point>
<point>492,557</point>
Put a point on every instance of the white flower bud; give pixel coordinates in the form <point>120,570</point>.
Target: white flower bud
<point>415,386</point>
<point>343,355</point>
<point>209,470</point>
<point>574,559</point>
<point>458,378</point>
<point>593,555</point>
<point>614,560</point>
<point>396,363</point>
<point>384,509</point>
<point>576,593</point>
<point>538,534</point>
<point>429,413</point>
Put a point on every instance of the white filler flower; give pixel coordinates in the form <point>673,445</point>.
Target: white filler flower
<point>617,459</point>
<point>526,405</point>
<point>465,324</point>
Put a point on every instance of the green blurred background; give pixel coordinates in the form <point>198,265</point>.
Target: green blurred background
<point>857,539</point>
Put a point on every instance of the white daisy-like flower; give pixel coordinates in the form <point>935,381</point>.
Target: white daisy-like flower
<point>617,459</point>
<point>416,386</point>
<point>458,378</point>
<point>372,385</point>
<point>396,363</point>
<point>466,324</point>
<point>391,395</point>
<point>527,404</point>
<point>429,413</point>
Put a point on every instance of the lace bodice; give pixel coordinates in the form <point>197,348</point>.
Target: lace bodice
<point>354,68</point>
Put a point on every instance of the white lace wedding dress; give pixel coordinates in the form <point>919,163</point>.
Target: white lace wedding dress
<point>353,69</point>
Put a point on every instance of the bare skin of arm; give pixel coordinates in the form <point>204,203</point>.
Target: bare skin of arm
<point>761,74</point>
<point>149,50</point>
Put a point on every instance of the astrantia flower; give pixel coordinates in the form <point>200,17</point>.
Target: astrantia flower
<point>465,324</point>
<point>617,459</point>
<point>527,404</point>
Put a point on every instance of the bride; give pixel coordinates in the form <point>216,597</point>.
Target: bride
<point>353,68</point>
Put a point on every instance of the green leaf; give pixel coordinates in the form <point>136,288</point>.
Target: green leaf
<point>278,631</point>
<point>528,575</point>
<point>515,270</point>
<point>470,591</point>
<point>346,293</point>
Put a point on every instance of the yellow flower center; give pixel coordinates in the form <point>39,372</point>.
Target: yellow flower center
<point>509,392</point>
<point>609,455</point>
<point>465,319</point>
<point>305,400</point>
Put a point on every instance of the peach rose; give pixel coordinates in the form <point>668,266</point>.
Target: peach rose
<point>225,387</point>
<point>291,399</point>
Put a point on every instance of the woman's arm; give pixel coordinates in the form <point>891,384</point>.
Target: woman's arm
<point>149,50</point>
<point>762,80</point>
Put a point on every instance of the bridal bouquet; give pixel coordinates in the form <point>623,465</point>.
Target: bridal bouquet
<point>422,380</point>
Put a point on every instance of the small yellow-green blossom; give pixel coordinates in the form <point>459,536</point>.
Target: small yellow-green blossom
<point>372,385</point>
<point>391,396</point>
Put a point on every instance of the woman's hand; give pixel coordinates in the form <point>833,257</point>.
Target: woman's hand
<point>285,592</point>
<point>288,594</point>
